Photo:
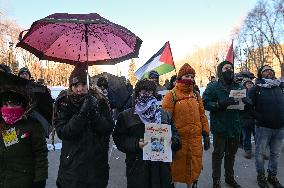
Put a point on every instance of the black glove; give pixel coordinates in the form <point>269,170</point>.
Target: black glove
<point>39,184</point>
<point>206,140</point>
<point>247,101</point>
<point>90,104</point>
<point>159,97</point>
<point>223,104</point>
<point>103,107</point>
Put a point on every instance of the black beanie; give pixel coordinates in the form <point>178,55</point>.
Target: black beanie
<point>26,70</point>
<point>79,74</point>
<point>102,82</point>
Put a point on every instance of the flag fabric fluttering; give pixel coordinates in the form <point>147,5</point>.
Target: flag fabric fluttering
<point>162,62</point>
<point>230,54</point>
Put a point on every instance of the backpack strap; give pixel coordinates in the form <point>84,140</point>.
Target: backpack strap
<point>174,97</point>
<point>195,93</point>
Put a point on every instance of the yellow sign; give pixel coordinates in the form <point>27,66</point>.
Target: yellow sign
<point>10,137</point>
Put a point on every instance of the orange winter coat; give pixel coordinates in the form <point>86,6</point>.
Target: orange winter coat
<point>190,120</point>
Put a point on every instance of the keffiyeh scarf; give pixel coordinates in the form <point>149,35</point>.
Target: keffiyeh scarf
<point>270,83</point>
<point>147,109</point>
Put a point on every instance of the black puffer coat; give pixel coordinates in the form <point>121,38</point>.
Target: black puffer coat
<point>85,143</point>
<point>142,174</point>
<point>268,105</point>
<point>24,163</point>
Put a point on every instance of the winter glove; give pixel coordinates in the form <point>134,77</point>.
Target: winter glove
<point>89,105</point>
<point>206,140</point>
<point>247,101</point>
<point>223,104</point>
<point>159,97</point>
<point>39,184</point>
<point>103,107</point>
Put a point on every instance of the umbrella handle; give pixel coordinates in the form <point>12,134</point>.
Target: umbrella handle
<point>88,78</point>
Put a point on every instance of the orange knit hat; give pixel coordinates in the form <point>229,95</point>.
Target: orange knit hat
<point>184,70</point>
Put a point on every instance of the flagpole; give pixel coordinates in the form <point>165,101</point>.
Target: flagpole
<point>172,57</point>
<point>233,53</point>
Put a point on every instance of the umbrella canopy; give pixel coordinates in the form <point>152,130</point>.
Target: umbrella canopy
<point>73,38</point>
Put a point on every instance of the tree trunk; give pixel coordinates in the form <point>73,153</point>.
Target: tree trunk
<point>282,69</point>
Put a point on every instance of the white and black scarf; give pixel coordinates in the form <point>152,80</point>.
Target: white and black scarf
<point>147,109</point>
<point>270,83</point>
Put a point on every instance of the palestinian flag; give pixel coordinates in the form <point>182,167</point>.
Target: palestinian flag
<point>162,62</point>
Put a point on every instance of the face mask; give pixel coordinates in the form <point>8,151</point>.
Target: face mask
<point>12,114</point>
<point>186,81</point>
<point>228,76</point>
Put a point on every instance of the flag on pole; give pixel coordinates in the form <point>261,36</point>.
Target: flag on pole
<point>162,62</point>
<point>230,54</point>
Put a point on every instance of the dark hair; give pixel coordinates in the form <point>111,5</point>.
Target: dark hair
<point>13,96</point>
<point>24,70</point>
<point>102,82</point>
<point>144,84</point>
<point>153,75</point>
<point>172,80</point>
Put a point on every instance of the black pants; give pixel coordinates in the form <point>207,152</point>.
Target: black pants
<point>224,146</point>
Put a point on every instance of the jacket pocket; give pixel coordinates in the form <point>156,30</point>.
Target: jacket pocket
<point>67,157</point>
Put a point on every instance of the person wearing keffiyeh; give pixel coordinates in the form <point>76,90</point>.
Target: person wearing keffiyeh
<point>129,133</point>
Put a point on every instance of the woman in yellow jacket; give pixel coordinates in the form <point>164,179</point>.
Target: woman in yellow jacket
<point>188,114</point>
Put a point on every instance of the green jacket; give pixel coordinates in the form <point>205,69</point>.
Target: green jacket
<point>25,162</point>
<point>222,122</point>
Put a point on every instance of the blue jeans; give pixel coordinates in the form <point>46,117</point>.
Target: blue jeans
<point>272,139</point>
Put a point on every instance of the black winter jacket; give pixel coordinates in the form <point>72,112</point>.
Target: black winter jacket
<point>142,174</point>
<point>24,163</point>
<point>85,144</point>
<point>268,105</point>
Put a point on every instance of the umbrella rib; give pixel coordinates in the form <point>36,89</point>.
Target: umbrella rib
<point>102,42</point>
<point>64,34</point>
<point>123,31</point>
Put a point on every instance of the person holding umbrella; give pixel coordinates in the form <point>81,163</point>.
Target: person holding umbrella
<point>23,151</point>
<point>83,122</point>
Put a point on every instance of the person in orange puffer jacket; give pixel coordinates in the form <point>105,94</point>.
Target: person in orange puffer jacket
<point>188,114</point>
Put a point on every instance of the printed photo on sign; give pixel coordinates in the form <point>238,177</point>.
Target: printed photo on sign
<point>159,138</point>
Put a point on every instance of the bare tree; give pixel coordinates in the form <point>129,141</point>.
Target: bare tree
<point>261,37</point>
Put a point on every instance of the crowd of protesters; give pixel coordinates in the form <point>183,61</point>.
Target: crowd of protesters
<point>84,121</point>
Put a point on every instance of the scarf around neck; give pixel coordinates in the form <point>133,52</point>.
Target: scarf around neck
<point>147,109</point>
<point>270,83</point>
